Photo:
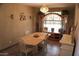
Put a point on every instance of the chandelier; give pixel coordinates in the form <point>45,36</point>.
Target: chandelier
<point>44,9</point>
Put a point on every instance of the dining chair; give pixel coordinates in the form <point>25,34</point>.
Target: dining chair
<point>45,29</point>
<point>52,29</point>
<point>26,49</point>
<point>43,45</point>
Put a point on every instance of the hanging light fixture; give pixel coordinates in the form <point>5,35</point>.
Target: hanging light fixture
<point>44,9</point>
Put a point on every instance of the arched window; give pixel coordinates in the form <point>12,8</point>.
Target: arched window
<point>52,22</point>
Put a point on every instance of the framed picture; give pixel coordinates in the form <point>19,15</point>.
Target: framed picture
<point>12,16</point>
<point>22,16</point>
<point>30,17</point>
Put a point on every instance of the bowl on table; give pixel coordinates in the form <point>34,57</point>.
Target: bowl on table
<point>36,35</point>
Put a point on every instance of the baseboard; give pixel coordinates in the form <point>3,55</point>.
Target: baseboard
<point>9,46</point>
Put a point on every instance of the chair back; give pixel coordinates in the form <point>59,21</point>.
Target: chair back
<point>45,29</point>
<point>52,29</point>
<point>22,46</point>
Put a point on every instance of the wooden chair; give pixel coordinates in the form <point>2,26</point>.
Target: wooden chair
<point>26,49</point>
<point>52,29</point>
<point>43,45</point>
<point>45,29</point>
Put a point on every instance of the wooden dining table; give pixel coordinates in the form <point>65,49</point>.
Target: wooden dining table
<point>34,38</point>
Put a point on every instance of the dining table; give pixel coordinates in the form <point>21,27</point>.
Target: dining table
<point>34,38</point>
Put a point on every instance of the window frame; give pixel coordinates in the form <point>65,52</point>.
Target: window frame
<point>44,22</point>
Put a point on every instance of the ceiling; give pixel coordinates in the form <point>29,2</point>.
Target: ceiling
<point>51,5</point>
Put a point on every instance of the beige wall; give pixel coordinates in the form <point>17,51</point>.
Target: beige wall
<point>12,29</point>
<point>77,29</point>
